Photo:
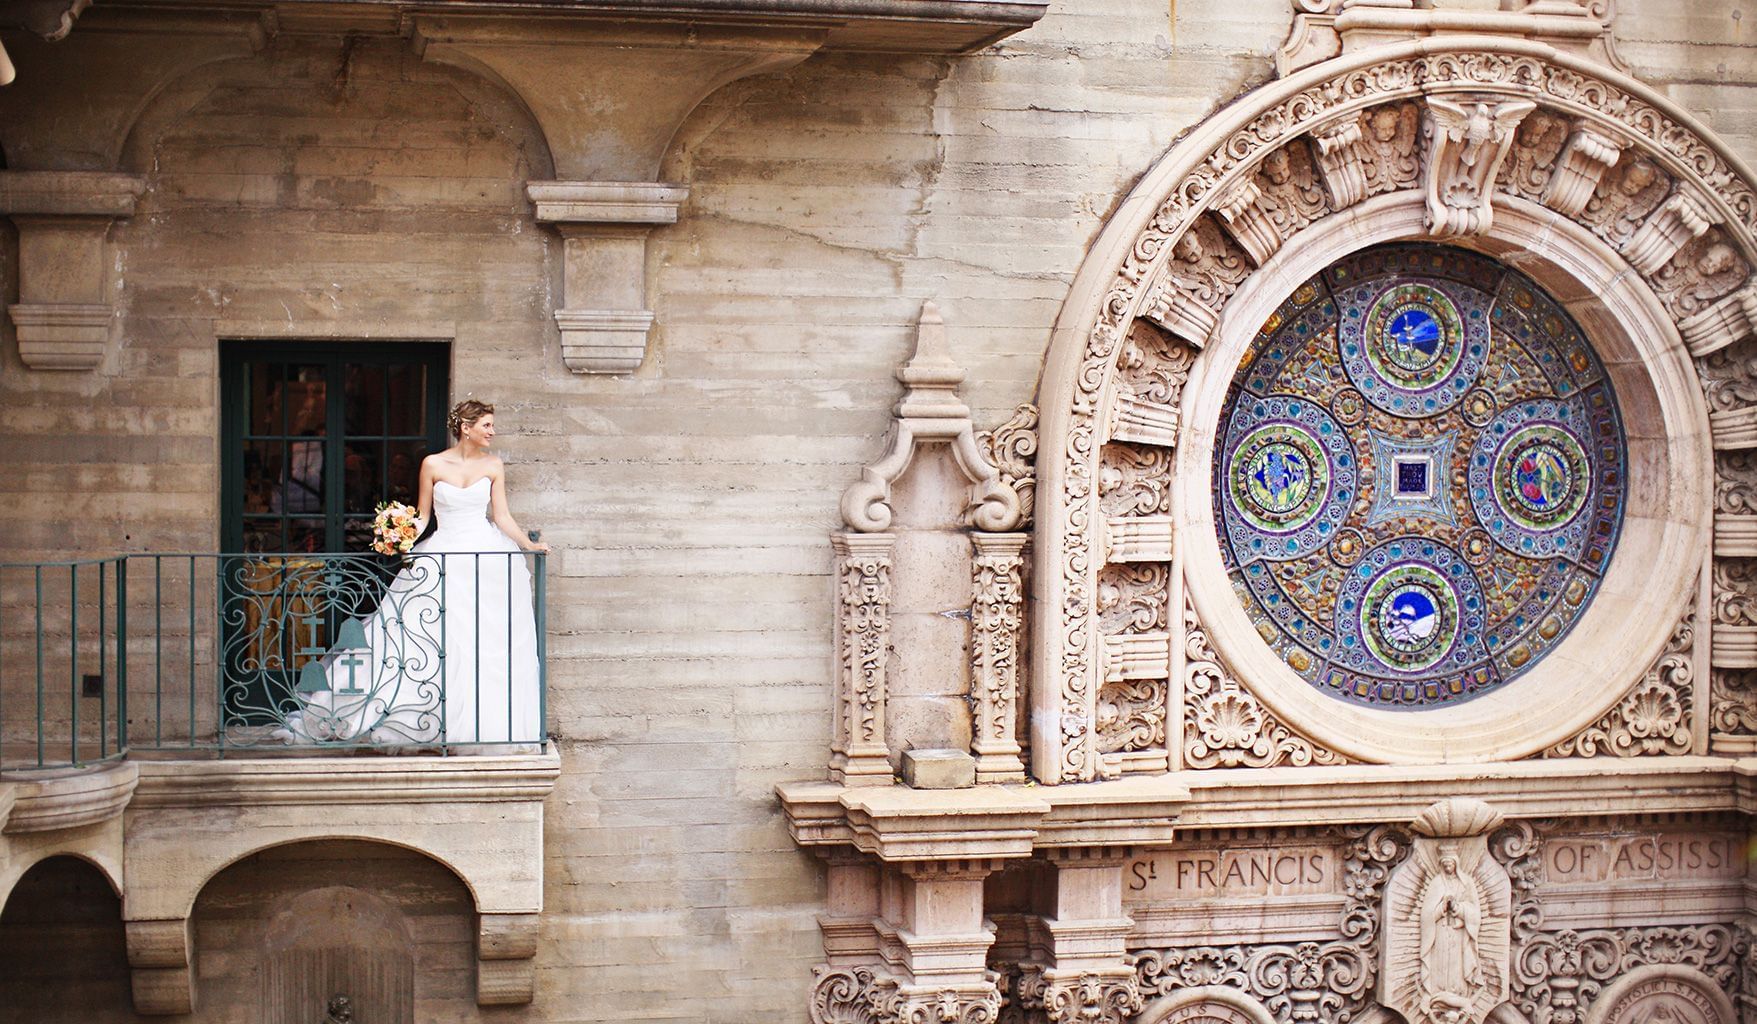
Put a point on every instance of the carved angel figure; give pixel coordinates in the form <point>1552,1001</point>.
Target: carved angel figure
<point>1388,143</point>
<point>1624,199</point>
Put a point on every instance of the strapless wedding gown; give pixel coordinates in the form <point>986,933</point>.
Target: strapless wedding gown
<point>450,655</point>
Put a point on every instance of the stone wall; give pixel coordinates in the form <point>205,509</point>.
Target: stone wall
<point>305,193</point>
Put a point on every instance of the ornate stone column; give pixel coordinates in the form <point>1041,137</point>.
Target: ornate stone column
<point>858,754</point>
<point>996,625</point>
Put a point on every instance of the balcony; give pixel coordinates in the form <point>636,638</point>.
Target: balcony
<point>164,716</point>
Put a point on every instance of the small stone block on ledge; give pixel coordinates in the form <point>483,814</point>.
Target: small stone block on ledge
<point>935,768</point>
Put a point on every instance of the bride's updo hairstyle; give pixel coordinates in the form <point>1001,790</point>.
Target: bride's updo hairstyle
<point>465,413</point>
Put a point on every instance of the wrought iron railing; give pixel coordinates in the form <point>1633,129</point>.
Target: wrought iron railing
<point>270,653</point>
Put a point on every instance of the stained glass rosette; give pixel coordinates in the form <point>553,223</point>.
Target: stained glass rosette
<point>1420,478</point>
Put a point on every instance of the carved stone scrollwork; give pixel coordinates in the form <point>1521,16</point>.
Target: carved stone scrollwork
<point>1733,702</point>
<point>996,645</point>
<point>1557,976</point>
<point>1093,998</point>
<point>1735,592</point>
<point>1532,162</point>
<point>1582,166</point>
<point>1302,982</point>
<point>1470,139</point>
<point>1699,275</point>
<point>1134,481</point>
<point>1203,272</point>
<point>1625,198</point>
<point>1225,726</point>
<point>1655,716</point>
<point>863,651</point>
<point>843,995</point>
<point>908,1005</point>
<point>1153,369</point>
<point>1729,378</point>
<point>1735,483</point>
<point>1292,192</point>
<point>1012,449</point>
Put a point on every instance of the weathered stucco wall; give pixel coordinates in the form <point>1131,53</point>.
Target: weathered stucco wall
<point>301,194</point>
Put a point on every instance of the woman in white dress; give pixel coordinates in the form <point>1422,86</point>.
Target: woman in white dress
<point>450,654</point>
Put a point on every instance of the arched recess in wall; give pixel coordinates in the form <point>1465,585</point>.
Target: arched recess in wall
<point>62,950</point>
<point>1607,196</point>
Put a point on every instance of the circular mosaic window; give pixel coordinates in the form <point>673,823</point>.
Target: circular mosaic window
<point>1420,479</point>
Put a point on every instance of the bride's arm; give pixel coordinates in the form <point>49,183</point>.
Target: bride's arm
<point>424,503</point>
<point>503,515</point>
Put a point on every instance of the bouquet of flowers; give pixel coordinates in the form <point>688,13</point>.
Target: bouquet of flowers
<point>394,529</point>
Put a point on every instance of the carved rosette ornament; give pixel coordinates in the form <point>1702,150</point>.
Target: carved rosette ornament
<point>1093,998</point>
<point>1447,920</point>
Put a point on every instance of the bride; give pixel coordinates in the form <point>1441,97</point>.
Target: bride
<point>450,654</point>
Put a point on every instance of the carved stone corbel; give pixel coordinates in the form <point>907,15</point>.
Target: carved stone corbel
<point>506,964</point>
<point>64,217</point>
<point>996,626</point>
<point>1470,139</point>
<point>858,754</point>
<point>609,98</point>
<point>1730,319</point>
<point>1337,148</point>
<point>1093,997</point>
<point>1242,213</point>
<point>1683,217</point>
<point>159,963</point>
<point>1583,163</point>
<point>931,411</point>
<point>604,226</point>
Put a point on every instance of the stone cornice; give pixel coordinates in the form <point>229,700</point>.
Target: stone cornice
<point>350,781</point>
<point>900,824</point>
<point>68,798</point>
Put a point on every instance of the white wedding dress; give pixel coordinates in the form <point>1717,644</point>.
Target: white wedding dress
<point>450,655</point>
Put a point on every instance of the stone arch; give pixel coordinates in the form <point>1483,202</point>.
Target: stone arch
<point>1606,186</point>
<point>1690,996</point>
<point>1206,1004</point>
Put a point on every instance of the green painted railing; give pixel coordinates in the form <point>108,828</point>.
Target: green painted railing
<point>270,653</point>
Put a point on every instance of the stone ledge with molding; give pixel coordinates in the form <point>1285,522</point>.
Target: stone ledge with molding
<point>1325,29</point>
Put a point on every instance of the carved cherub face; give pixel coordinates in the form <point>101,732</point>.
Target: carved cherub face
<point>1636,179</point>
<point>1535,128</point>
<point>1277,168</point>
<point>1189,248</point>
<point>1717,260</point>
<point>1383,124</point>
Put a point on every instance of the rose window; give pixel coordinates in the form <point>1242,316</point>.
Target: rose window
<point>1420,477</point>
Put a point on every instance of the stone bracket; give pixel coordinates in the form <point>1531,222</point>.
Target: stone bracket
<point>159,959</point>
<point>1584,161</point>
<point>63,218</point>
<point>1471,136</point>
<point>604,227</point>
<point>506,959</point>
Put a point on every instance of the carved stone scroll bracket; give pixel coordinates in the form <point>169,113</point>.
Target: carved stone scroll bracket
<point>1731,319</point>
<point>858,755</point>
<point>604,227</point>
<point>1191,287</point>
<point>1682,218</point>
<point>931,411</point>
<point>1470,138</point>
<point>159,960</point>
<point>1446,925</point>
<point>1246,219</point>
<point>1657,715</point>
<point>64,218</point>
<point>1012,449</point>
<point>996,649</point>
<point>506,959</point>
<point>1337,149</point>
<point>1092,997</point>
<point>1583,163</point>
